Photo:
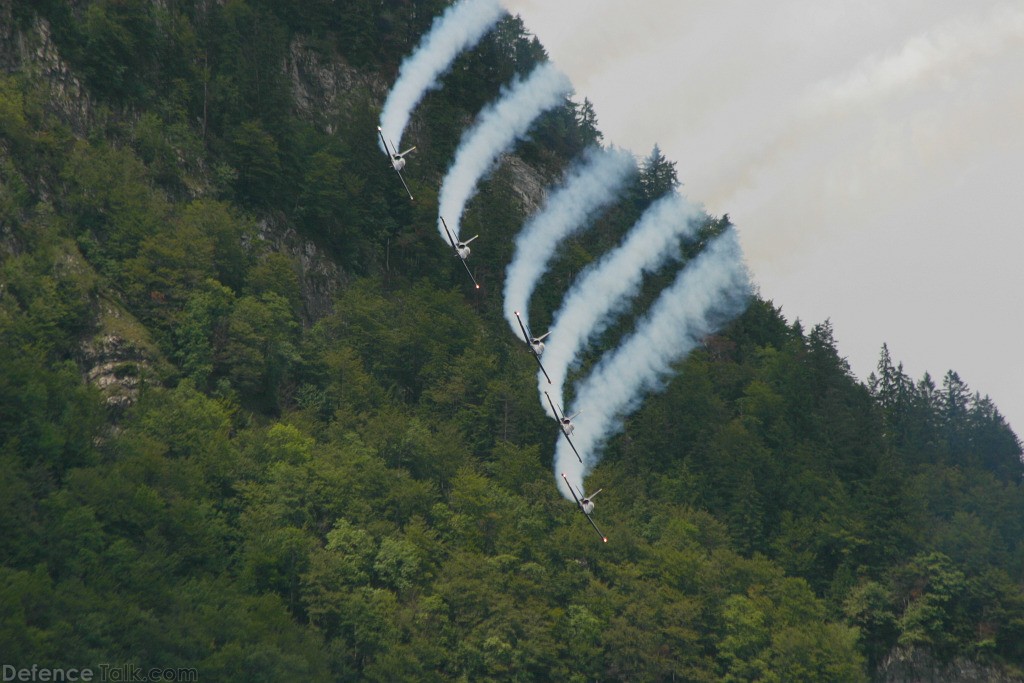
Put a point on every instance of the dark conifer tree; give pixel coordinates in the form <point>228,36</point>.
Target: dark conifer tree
<point>954,404</point>
<point>657,175</point>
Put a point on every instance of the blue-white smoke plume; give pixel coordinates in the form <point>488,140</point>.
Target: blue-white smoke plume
<point>713,288</point>
<point>606,287</point>
<point>497,127</point>
<point>589,186</point>
<point>460,27</point>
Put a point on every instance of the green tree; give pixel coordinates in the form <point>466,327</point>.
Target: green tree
<point>869,608</point>
<point>257,157</point>
<point>954,402</point>
<point>170,264</point>
<point>118,35</point>
<point>228,231</point>
<point>933,590</point>
<point>113,203</point>
<point>201,328</point>
<point>259,349</point>
<point>657,175</point>
<point>894,392</point>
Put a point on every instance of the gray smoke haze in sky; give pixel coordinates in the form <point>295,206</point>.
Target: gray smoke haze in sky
<point>605,287</point>
<point>460,27</point>
<point>711,289</point>
<point>497,128</point>
<point>590,185</point>
<point>827,129</point>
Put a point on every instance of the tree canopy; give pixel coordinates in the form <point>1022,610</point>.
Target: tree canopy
<point>251,421</point>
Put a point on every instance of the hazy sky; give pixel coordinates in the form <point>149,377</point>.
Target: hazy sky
<point>871,155</point>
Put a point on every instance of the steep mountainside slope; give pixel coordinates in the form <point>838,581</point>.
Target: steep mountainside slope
<point>254,424</point>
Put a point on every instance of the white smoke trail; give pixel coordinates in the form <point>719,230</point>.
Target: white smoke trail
<point>606,286</point>
<point>460,27</point>
<point>588,187</point>
<point>498,126</point>
<point>711,289</point>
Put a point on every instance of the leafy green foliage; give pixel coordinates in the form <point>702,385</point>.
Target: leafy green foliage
<point>365,494</point>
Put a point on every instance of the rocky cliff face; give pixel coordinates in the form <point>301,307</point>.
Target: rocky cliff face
<point>31,51</point>
<point>7,35</point>
<point>527,183</point>
<point>119,358</point>
<point>117,367</point>
<point>325,89</point>
<point>320,278</point>
<point>913,665</point>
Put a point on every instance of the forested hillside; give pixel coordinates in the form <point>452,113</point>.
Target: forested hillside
<point>253,420</point>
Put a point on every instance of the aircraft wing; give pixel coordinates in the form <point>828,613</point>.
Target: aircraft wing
<point>451,240</point>
<point>387,150</point>
<point>572,445</point>
<point>466,265</point>
<point>522,326</point>
<point>593,524</point>
<point>541,366</point>
<point>407,191</point>
<point>572,491</point>
<point>580,506</point>
<point>526,339</point>
<point>554,410</point>
<point>558,416</point>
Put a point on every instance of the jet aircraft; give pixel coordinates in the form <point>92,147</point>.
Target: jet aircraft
<point>565,422</point>
<point>586,505</point>
<point>397,160</point>
<point>535,344</point>
<point>461,250</point>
